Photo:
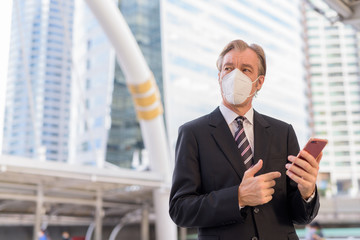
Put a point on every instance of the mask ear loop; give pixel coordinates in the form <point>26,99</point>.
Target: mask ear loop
<point>256,89</point>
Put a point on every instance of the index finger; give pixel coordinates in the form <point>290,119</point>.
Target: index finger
<point>270,176</point>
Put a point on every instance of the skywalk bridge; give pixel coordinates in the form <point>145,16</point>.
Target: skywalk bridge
<point>42,193</point>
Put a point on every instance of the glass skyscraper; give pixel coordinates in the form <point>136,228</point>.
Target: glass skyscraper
<point>37,110</point>
<point>59,85</point>
<point>333,64</point>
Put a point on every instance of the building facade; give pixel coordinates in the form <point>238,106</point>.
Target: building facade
<point>333,67</point>
<point>194,34</point>
<point>59,84</point>
<point>37,110</point>
<point>93,69</point>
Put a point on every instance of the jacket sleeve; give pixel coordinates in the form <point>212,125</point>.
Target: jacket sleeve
<point>302,212</point>
<point>189,205</point>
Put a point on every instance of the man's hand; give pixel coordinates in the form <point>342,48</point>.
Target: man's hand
<point>257,190</point>
<point>304,170</point>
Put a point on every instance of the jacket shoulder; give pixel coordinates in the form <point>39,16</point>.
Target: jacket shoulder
<point>273,121</point>
<point>214,118</point>
<point>196,123</point>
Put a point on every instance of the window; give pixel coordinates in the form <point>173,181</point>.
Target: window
<point>320,113</point>
<point>85,146</point>
<point>333,55</point>
<point>98,122</point>
<point>338,113</point>
<point>316,74</point>
<point>341,143</point>
<point>338,103</point>
<point>333,46</point>
<point>335,74</point>
<point>332,84</point>
<point>319,103</point>
<point>88,83</point>
<point>340,133</point>
<point>335,64</point>
<point>339,123</point>
<point>320,123</point>
<point>49,151</point>
<point>337,93</point>
<point>313,83</point>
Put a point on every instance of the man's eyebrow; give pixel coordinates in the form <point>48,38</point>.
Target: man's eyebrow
<point>228,64</point>
<point>247,65</point>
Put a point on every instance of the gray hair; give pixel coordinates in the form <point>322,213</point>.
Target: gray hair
<point>240,45</point>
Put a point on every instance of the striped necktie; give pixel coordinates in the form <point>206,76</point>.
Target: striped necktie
<point>242,143</point>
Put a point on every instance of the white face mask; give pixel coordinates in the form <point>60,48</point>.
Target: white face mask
<point>236,87</point>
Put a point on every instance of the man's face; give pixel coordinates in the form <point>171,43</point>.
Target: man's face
<point>247,62</point>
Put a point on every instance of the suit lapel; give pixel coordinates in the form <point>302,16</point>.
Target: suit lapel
<point>262,140</point>
<point>224,139</point>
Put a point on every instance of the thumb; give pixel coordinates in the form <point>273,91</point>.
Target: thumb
<point>253,169</point>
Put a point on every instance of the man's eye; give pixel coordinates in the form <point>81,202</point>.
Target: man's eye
<point>227,69</point>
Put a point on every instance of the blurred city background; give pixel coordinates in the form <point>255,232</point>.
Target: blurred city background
<point>73,157</point>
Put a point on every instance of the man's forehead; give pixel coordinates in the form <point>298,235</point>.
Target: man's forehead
<point>247,57</point>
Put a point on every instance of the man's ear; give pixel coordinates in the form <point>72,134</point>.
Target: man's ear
<point>261,81</point>
<point>219,77</point>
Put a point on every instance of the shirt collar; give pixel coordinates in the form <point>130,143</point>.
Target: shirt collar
<point>230,116</point>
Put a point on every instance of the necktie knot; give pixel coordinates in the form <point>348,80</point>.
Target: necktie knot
<point>240,120</point>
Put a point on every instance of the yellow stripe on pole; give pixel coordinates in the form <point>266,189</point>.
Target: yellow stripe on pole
<point>143,102</point>
<point>146,101</point>
<point>150,114</point>
<point>142,87</point>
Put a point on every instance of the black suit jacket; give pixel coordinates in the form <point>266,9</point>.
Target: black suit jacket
<point>208,171</point>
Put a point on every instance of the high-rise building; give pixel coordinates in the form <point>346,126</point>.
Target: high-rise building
<point>333,65</point>
<point>39,82</point>
<point>194,33</point>
<point>92,87</point>
<point>59,85</point>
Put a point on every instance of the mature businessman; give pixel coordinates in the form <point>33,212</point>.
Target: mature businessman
<point>236,174</point>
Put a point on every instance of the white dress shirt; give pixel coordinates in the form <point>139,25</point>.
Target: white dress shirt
<point>248,123</point>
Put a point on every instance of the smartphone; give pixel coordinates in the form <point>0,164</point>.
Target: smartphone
<point>314,146</point>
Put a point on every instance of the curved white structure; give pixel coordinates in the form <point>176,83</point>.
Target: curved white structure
<point>148,106</point>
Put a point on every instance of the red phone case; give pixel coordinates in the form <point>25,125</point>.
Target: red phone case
<point>315,145</point>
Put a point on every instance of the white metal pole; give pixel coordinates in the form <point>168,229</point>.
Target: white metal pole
<point>145,226</point>
<point>183,233</point>
<point>147,103</point>
<point>38,211</point>
<point>98,215</point>
<point>165,229</point>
